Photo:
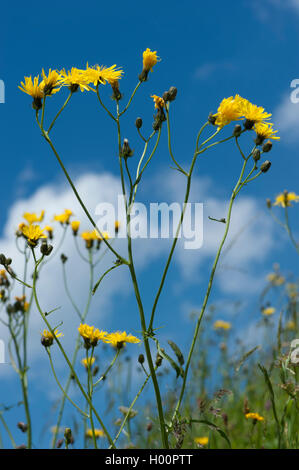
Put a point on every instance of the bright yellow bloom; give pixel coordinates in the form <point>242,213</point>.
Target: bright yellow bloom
<point>116,225</point>
<point>32,217</point>
<point>254,416</point>
<point>88,362</point>
<point>120,338</point>
<point>74,79</point>
<point>252,112</point>
<point>268,311</point>
<point>203,441</point>
<point>101,74</point>
<point>159,102</point>
<point>50,83</point>
<point>97,432</point>
<point>3,274</point>
<point>75,224</point>
<point>265,130</point>
<point>91,335</point>
<point>229,110</point>
<point>284,199</point>
<point>33,233</point>
<point>291,325</point>
<point>32,88</point>
<point>64,217</point>
<point>150,59</point>
<point>222,325</point>
<point>48,337</point>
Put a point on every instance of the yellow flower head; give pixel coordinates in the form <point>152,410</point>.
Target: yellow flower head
<point>275,279</point>
<point>3,274</point>
<point>33,233</point>
<point>222,325</point>
<point>32,88</point>
<point>268,311</point>
<point>75,224</point>
<point>50,83</point>
<point>101,74</point>
<point>120,338</point>
<point>87,363</point>
<point>91,335</point>
<point>202,441</point>
<point>291,325</point>
<point>229,110</point>
<point>116,226</point>
<point>64,217</point>
<point>32,217</point>
<point>74,79</point>
<point>252,112</point>
<point>159,102</point>
<point>284,199</point>
<point>150,59</point>
<point>254,416</point>
<point>48,337</point>
<point>264,130</point>
<point>97,432</point>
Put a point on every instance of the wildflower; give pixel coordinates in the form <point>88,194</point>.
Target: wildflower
<point>92,236</point>
<point>150,59</point>
<point>229,110</point>
<point>120,338</point>
<point>32,88</point>
<point>268,311</point>
<point>49,229</point>
<point>159,102</point>
<point>101,74</point>
<point>50,83</point>
<point>291,325</point>
<point>75,224</point>
<point>97,433</point>
<point>88,362</point>
<point>276,279</point>
<point>264,130</point>
<point>222,325</point>
<point>48,337</point>
<point>253,114</point>
<point>64,217</point>
<point>284,199</point>
<point>74,79</point>
<point>91,335</point>
<point>254,416</point>
<point>202,441</point>
<point>116,226</point>
<point>33,233</point>
<point>32,217</point>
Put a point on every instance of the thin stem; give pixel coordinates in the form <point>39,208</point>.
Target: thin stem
<point>60,111</point>
<point>130,100</point>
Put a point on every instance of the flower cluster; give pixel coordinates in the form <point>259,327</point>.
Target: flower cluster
<point>254,416</point>
<point>285,199</point>
<point>222,325</point>
<point>92,336</point>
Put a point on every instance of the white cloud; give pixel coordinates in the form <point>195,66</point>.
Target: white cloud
<point>205,71</point>
<point>286,118</point>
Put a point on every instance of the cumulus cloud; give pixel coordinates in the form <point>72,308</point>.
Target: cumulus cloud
<point>249,244</point>
<point>286,116</point>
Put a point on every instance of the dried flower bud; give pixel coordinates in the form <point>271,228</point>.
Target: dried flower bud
<point>237,130</point>
<point>22,426</point>
<point>126,151</point>
<point>256,155</point>
<point>265,166</point>
<point>267,146</point>
<point>138,123</point>
<point>68,436</point>
<point>159,360</point>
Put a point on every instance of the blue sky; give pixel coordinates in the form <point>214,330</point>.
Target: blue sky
<point>208,50</point>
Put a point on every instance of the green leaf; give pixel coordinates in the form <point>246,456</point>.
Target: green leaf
<point>245,357</point>
<point>177,352</point>
<point>213,426</point>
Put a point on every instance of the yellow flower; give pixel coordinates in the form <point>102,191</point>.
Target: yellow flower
<point>120,338</point>
<point>268,311</point>
<point>32,88</point>
<point>222,325</point>
<point>75,224</point>
<point>275,279</point>
<point>50,83</point>
<point>202,441</point>
<point>48,337</point>
<point>291,325</point>
<point>254,416</point>
<point>284,199</point>
<point>229,110</point>
<point>74,79</point>
<point>33,233</point>
<point>3,274</point>
<point>91,335</point>
<point>64,217</point>
<point>116,226</point>
<point>32,217</point>
<point>159,102</point>
<point>101,74</point>
<point>88,362</point>
<point>97,432</point>
<point>252,112</point>
<point>150,59</point>
<point>264,130</point>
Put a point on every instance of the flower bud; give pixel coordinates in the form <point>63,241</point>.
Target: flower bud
<point>68,436</point>
<point>267,146</point>
<point>138,123</point>
<point>126,150</point>
<point>63,258</point>
<point>237,130</point>
<point>212,119</point>
<point>46,249</point>
<point>22,426</point>
<point>256,155</point>
<point>269,203</point>
<point>141,358</point>
<point>265,166</point>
